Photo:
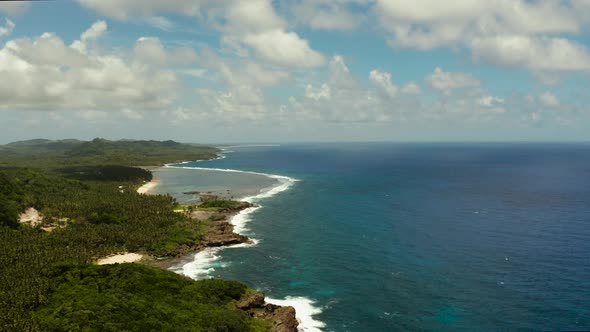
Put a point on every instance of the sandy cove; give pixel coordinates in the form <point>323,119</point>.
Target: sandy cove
<point>145,189</point>
<point>127,257</point>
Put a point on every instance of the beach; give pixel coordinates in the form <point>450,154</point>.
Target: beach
<point>120,258</point>
<point>148,186</point>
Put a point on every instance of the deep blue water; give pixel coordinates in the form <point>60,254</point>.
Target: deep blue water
<point>389,237</point>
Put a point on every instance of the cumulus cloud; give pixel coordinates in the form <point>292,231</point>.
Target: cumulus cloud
<point>489,101</point>
<point>383,81</point>
<point>95,31</point>
<point>123,9</point>
<point>448,81</point>
<point>411,88</point>
<point>13,7</point>
<point>538,53</point>
<point>343,99</point>
<point>253,23</point>
<point>548,99</point>
<point>503,32</point>
<point>44,74</point>
<point>323,92</point>
<point>7,29</point>
<point>328,14</point>
<point>151,50</point>
<point>244,72</point>
<point>284,48</point>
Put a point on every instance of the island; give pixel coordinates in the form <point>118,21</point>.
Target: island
<point>84,250</point>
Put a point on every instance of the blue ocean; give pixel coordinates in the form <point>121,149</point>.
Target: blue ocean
<point>408,236</point>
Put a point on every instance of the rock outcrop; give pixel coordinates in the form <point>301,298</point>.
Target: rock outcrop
<point>282,318</point>
<point>222,234</point>
<point>252,301</point>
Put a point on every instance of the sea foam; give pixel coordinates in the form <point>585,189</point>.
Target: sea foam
<point>206,261</point>
<point>305,309</point>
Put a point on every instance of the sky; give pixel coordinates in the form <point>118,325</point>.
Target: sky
<point>217,71</point>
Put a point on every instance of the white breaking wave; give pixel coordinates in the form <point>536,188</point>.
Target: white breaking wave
<point>285,182</point>
<point>240,220</point>
<point>206,261</point>
<point>305,309</point>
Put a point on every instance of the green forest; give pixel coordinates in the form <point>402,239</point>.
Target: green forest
<point>86,193</point>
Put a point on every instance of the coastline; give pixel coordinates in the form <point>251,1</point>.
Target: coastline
<point>148,186</point>
<point>199,261</point>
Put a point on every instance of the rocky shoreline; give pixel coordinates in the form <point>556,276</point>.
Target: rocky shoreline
<point>282,318</point>
<point>220,234</point>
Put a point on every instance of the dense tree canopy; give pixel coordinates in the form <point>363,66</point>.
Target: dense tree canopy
<point>86,193</point>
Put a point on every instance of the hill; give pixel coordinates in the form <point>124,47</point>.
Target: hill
<point>55,153</point>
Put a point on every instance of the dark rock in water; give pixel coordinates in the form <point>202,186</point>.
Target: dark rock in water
<point>254,300</point>
<point>191,192</point>
<point>222,234</point>
<point>282,318</point>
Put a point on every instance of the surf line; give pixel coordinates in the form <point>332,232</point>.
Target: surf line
<point>205,261</point>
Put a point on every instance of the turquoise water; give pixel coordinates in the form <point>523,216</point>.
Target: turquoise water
<point>176,182</point>
<point>386,237</point>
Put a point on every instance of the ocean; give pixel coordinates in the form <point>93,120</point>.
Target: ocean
<point>406,236</point>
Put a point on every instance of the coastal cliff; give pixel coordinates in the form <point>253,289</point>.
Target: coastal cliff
<point>282,318</point>
<point>220,234</point>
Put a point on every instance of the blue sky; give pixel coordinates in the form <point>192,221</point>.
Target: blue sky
<point>299,70</point>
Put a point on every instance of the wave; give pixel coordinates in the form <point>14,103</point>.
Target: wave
<point>240,220</point>
<point>206,261</point>
<point>285,182</point>
<point>305,309</point>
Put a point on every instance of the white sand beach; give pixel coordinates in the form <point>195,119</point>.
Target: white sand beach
<point>127,257</point>
<point>148,186</point>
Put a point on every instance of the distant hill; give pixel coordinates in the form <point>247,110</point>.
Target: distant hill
<point>67,152</point>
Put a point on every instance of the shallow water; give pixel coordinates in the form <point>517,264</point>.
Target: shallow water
<point>177,181</point>
<point>384,237</point>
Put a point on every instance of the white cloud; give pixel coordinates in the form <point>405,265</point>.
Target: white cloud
<point>502,32</point>
<point>548,99</point>
<point>123,9</point>
<point>328,14</point>
<point>96,30</point>
<point>7,29</point>
<point>131,114</point>
<point>448,81</point>
<point>151,50</point>
<point>491,104</point>
<point>45,74</point>
<point>489,101</point>
<point>383,81</point>
<point>238,104</point>
<point>252,23</point>
<point>284,48</point>
<point>411,88</point>
<point>536,53</point>
<point>319,93</point>
<point>244,72</point>
<point>13,7</point>
<point>160,22</point>
<point>199,73</point>
<point>343,99</point>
